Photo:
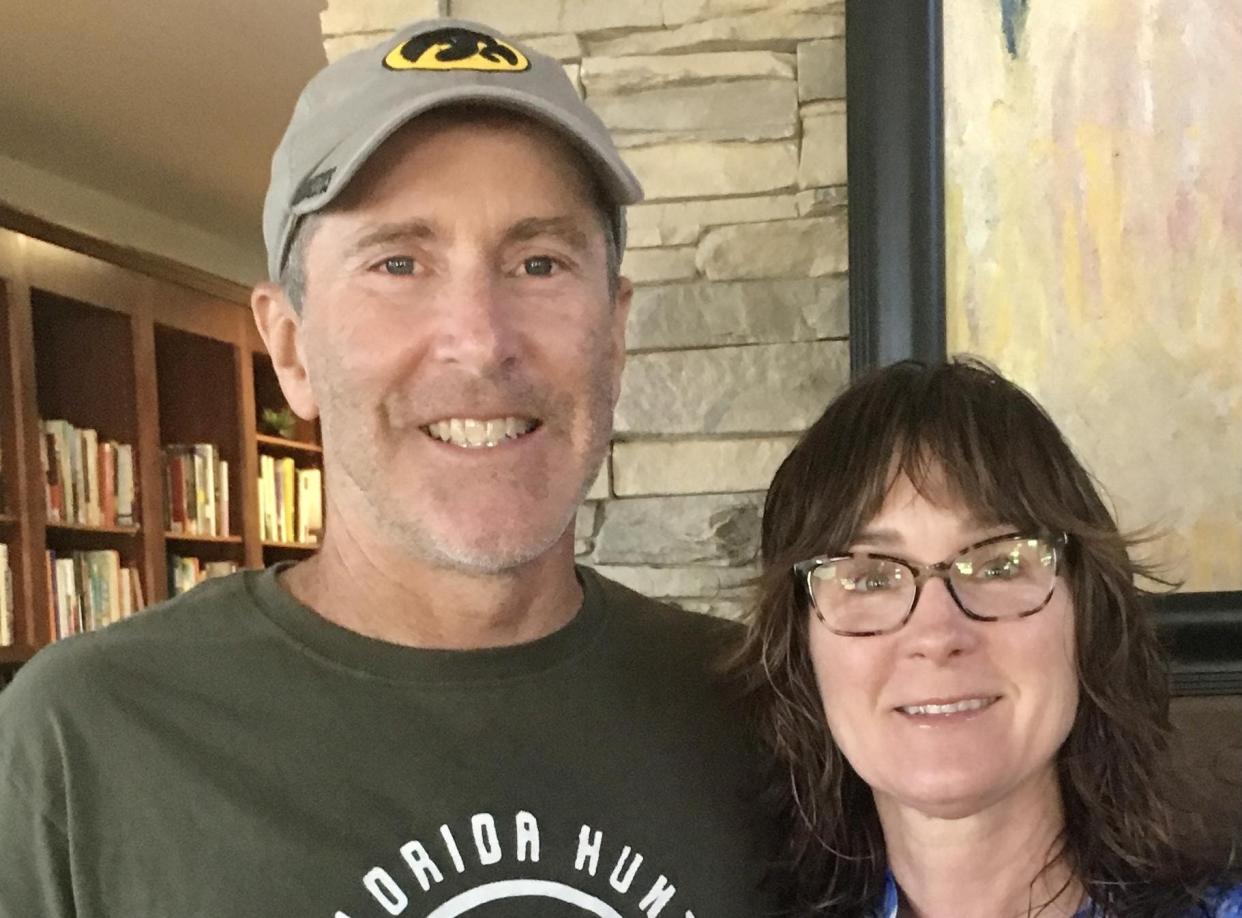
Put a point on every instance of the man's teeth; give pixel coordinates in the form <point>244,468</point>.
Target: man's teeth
<point>475,434</point>
<point>970,704</point>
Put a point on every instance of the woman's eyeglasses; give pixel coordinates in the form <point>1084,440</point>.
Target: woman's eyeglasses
<point>862,593</point>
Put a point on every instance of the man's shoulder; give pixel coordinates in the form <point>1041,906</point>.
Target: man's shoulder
<point>645,613</point>
<point>669,638</point>
<point>74,670</point>
<point>671,667</point>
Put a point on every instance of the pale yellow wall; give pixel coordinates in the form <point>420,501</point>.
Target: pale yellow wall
<point>1094,187</point>
<point>97,214</point>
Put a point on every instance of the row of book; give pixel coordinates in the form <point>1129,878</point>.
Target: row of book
<point>196,490</point>
<point>89,482</point>
<point>290,501</point>
<point>6,598</point>
<point>90,589</point>
<point>187,572</point>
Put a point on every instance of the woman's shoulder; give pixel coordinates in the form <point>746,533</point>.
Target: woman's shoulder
<point>1224,901</point>
<point>1220,901</point>
<point>886,904</point>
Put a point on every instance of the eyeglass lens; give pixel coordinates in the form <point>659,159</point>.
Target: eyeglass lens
<point>1004,579</point>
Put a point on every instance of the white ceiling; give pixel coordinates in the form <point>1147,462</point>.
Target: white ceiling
<point>172,105</point>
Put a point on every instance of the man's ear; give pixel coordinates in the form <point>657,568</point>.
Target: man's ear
<point>281,328</point>
<point>620,315</point>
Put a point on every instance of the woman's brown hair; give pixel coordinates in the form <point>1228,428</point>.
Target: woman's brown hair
<point>963,433</point>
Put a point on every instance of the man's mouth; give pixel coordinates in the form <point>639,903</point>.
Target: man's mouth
<point>476,433</point>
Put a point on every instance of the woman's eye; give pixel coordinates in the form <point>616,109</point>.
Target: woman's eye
<point>399,264</point>
<point>539,266</point>
<point>872,581</point>
<point>1000,569</point>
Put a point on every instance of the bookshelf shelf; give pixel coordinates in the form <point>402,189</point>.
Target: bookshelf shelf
<point>292,546</point>
<point>281,444</point>
<point>53,528</point>
<point>132,354</point>
<point>206,539</point>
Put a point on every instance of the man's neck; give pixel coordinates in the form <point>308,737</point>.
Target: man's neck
<point>985,865</point>
<point>388,596</point>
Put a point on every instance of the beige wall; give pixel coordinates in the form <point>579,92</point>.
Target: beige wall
<point>95,213</point>
<point>732,114</point>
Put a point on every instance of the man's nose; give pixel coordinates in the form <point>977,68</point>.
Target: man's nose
<point>475,326</point>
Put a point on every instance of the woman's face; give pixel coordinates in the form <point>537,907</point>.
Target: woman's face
<point>1018,678</point>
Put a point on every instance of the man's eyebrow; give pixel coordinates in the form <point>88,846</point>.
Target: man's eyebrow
<point>387,233</point>
<point>566,229</point>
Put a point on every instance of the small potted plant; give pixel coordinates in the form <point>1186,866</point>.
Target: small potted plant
<point>279,422</point>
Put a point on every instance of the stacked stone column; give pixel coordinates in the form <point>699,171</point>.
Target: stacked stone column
<point>732,114</point>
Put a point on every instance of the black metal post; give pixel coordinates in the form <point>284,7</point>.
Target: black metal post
<point>895,94</point>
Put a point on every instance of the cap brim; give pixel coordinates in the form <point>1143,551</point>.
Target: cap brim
<point>619,182</point>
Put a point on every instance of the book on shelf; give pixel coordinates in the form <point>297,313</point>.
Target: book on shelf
<point>137,601</point>
<point>267,477</point>
<point>196,488</point>
<point>88,445</point>
<point>222,498</point>
<point>7,635</point>
<point>55,473</point>
<point>107,481</point>
<point>204,489</point>
<point>52,490</point>
<point>310,505</point>
<point>77,472</point>
<point>185,573</point>
<point>287,473</point>
<point>290,501</point>
<point>126,506</point>
<point>90,589</point>
<point>88,482</point>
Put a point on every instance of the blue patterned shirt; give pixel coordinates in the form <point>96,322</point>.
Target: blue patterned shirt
<point>1222,902</point>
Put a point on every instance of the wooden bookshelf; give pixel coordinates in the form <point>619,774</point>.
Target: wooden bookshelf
<point>303,447</point>
<point>108,340</point>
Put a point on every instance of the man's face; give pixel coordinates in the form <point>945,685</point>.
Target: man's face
<point>461,344</point>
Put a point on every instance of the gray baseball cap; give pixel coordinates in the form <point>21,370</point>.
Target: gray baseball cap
<point>353,105</point>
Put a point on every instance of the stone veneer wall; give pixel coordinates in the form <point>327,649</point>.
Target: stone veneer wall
<point>732,114</point>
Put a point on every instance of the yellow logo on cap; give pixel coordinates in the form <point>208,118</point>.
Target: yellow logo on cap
<point>455,49</point>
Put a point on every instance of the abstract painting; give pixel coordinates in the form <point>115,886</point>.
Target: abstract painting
<point>1093,159</point>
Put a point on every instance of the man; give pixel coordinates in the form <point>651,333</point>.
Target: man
<point>438,715</point>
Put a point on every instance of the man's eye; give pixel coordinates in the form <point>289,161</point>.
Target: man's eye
<point>399,264</point>
<point>539,266</point>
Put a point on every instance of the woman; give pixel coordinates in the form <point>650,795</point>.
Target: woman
<point>958,679</point>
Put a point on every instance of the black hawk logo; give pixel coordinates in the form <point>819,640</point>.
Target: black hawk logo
<point>455,49</point>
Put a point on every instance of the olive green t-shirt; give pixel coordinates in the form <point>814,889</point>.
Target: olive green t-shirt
<point>232,753</point>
